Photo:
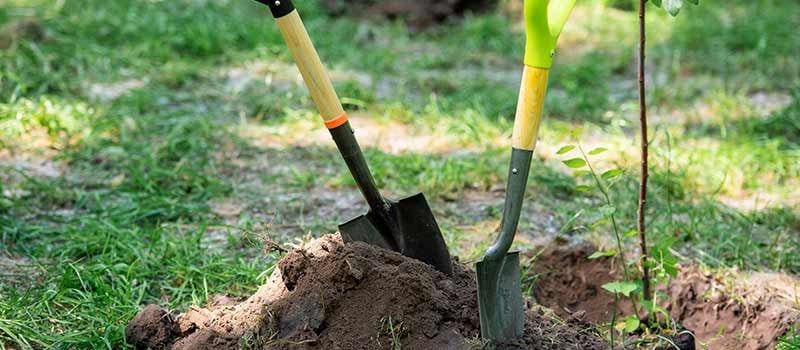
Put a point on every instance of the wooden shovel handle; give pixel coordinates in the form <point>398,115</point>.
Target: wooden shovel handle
<point>529,108</point>
<point>314,74</point>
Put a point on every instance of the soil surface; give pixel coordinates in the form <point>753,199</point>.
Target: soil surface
<point>329,295</point>
<point>734,311</point>
<point>417,14</point>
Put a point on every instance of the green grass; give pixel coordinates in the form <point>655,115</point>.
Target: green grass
<point>129,220</point>
<point>791,341</point>
<point>99,235</point>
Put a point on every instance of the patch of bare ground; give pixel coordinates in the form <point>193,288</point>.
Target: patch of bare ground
<point>331,295</point>
<point>755,200</point>
<point>35,166</point>
<point>417,17</point>
<point>33,146</point>
<point>108,92</point>
<point>766,103</point>
<point>16,272</point>
<point>278,75</point>
<point>724,310</point>
<point>32,153</point>
<point>264,193</point>
<point>373,131</point>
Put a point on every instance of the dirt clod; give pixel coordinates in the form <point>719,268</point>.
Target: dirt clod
<point>329,295</point>
<point>152,328</point>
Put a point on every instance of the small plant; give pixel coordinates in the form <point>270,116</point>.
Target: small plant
<point>661,263</point>
<point>603,182</point>
<point>395,332</point>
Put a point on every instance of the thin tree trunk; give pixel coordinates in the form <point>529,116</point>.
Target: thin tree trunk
<point>640,212</point>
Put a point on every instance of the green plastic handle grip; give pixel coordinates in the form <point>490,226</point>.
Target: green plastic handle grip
<point>544,20</point>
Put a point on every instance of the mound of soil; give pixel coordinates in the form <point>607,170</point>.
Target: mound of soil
<point>734,311</point>
<point>417,14</point>
<point>329,295</point>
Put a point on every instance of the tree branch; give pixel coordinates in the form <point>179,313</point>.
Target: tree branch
<point>640,212</point>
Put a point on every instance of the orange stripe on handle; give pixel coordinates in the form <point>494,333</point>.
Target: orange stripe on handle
<point>335,122</point>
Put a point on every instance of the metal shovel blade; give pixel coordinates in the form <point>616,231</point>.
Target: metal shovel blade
<point>408,227</point>
<point>502,311</point>
<point>363,229</point>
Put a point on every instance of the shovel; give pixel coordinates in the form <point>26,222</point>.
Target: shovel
<point>500,303</point>
<point>406,226</point>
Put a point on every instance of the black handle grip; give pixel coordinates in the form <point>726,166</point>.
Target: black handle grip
<point>279,8</point>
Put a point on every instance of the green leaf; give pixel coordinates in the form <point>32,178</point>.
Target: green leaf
<point>583,188</point>
<point>571,222</point>
<point>621,287</point>
<point>581,172</point>
<point>656,2</point>
<point>631,323</point>
<point>599,254</point>
<point>628,325</point>
<point>607,210</point>
<point>565,149</point>
<point>611,174</point>
<point>660,253</point>
<point>575,163</point>
<point>654,308</point>
<point>673,6</point>
<point>631,233</point>
<point>599,222</point>
<point>670,264</point>
<point>597,150</point>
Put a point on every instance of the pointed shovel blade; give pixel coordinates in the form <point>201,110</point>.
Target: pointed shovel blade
<point>500,303</point>
<point>420,237</point>
<point>408,227</point>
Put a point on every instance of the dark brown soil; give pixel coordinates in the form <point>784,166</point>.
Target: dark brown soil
<point>571,284</point>
<point>152,326</point>
<point>737,311</point>
<point>417,14</point>
<point>355,296</point>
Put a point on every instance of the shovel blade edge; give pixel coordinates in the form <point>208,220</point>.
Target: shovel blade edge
<point>362,229</point>
<point>500,303</point>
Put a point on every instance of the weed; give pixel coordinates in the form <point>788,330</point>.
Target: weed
<point>395,332</point>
